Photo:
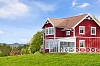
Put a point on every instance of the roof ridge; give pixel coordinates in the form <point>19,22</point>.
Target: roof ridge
<point>75,16</point>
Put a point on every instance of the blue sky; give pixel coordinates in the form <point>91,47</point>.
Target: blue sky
<point>20,19</point>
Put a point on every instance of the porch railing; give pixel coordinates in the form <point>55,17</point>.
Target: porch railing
<point>87,49</point>
<point>68,49</point>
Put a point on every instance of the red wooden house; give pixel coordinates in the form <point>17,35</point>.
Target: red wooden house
<point>73,34</point>
<point>15,53</point>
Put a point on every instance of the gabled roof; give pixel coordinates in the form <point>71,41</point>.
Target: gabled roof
<point>70,22</point>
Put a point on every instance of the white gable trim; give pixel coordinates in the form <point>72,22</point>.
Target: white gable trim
<point>80,21</point>
<point>84,18</point>
<point>50,22</point>
<point>94,19</point>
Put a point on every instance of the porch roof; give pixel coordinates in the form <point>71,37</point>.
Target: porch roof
<point>70,39</point>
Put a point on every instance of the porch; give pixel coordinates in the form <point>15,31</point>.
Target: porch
<point>64,45</point>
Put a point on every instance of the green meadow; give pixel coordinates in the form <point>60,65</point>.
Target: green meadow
<point>39,59</point>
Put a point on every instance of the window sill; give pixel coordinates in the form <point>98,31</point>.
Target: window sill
<point>93,34</point>
<point>81,33</point>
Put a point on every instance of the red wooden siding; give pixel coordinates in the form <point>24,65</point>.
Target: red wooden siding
<point>71,33</point>
<point>59,32</point>
<point>89,42</point>
<point>48,25</point>
<point>88,24</point>
<point>49,36</point>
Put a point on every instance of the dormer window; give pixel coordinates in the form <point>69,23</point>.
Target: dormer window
<point>67,32</point>
<point>81,29</point>
<point>49,31</point>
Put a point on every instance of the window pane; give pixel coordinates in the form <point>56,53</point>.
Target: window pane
<point>52,30</point>
<point>93,30</point>
<point>51,45</point>
<point>82,29</point>
<point>47,44</point>
<point>68,32</point>
<point>81,43</point>
<point>46,31</point>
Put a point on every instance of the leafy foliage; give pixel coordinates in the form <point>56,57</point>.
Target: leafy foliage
<point>96,18</point>
<point>5,50</point>
<point>25,50</point>
<point>36,42</point>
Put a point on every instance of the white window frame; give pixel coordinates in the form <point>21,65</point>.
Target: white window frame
<point>83,29</point>
<point>48,29</point>
<point>83,43</point>
<point>91,30</point>
<point>68,33</point>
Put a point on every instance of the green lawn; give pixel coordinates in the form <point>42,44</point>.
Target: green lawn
<point>38,59</point>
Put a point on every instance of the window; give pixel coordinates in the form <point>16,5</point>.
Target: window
<point>82,43</point>
<point>49,31</point>
<point>51,45</point>
<point>81,29</point>
<point>46,31</point>
<point>89,18</point>
<point>47,45</point>
<point>93,30</point>
<point>68,32</point>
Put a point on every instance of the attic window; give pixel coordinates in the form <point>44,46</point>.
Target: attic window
<point>47,22</point>
<point>89,18</point>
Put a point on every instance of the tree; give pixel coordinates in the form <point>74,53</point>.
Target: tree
<point>96,18</point>
<point>25,50</point>
<point>5,50</point>
<point>36,42</point>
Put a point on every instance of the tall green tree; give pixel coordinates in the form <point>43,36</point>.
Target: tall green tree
<point>96,18</point>
<point>36,42</point>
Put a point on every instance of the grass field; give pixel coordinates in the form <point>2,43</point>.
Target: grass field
<point>38,59</point>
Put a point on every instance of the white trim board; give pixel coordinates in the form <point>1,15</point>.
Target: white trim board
<point>50,22</point>
<point>86,37</point>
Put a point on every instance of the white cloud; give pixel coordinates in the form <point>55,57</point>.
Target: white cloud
<point>1,32</point>
<point>74,3</point>
<point>24,40</point>
<point>43,6</point>
<point>12,8</point>
<point>84,5</point>
<point>16,8</point>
